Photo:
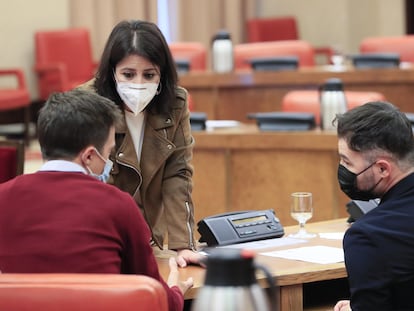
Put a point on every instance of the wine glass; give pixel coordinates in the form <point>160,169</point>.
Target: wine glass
<point>301,210</point>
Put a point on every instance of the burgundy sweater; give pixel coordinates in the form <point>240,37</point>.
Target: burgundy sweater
<point>69,222</point>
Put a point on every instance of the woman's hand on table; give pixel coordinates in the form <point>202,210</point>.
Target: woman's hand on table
<point>186,257</point>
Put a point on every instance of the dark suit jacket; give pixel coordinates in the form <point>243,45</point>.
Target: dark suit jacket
<point>379,253</point>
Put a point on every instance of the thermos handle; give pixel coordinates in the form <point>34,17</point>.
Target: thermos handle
<point>273,290</point>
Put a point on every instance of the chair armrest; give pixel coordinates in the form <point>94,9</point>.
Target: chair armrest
<point>51,68</point>
<point>51,77</point>
<point>18,73</point>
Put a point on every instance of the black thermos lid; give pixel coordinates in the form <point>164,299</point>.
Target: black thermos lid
<point>230,267</point>
<point>222,35</point>
<point>333,84</point>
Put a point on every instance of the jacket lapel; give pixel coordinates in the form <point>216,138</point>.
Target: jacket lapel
<point>156,146</point>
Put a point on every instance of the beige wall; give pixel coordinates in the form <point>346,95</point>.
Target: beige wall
<point>19,19</point>
<point>322,22</point>
<point>340,23</point>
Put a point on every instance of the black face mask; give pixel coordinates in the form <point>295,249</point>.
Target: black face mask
<point>348,183</point>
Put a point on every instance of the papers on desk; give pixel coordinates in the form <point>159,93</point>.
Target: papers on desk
<point>213,124</point>
<point>332,235</point>
<point>277,242</point>
<point>317,254</point>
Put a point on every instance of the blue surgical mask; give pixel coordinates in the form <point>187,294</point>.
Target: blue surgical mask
<point>104,176</point>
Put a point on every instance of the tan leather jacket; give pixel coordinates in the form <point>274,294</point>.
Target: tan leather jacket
<point>163,182</point>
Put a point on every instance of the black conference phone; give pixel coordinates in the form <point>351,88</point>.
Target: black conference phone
<point>357,208</point>
<point>239,227</point>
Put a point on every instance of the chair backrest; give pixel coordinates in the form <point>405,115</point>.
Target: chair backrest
<point>11,159</point>
<point>194,52</point>
<point>63,55</point>
<point>69,46</point>
<point>280,28</point>
<point>272,29</point>
<point>246,51</point>
<point>403,45</point>
<point>308,101</point>
<point>81,292</point>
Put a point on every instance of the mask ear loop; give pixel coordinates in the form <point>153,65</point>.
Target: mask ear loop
<point>159,88</point>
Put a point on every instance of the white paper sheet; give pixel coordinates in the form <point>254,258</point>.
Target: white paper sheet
<point>317,254</point>
<point>211,124</point>
<point>277,242</point>
<point>332,235</point>
<point>262,244</point>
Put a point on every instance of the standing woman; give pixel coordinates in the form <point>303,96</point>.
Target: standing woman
<point>154,146</point>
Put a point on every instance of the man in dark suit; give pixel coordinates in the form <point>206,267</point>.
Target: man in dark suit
<point>376,149</point>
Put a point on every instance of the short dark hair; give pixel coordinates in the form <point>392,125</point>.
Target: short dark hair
<point>377,126</point>
<point>141,38</point>
<point>70,121</point>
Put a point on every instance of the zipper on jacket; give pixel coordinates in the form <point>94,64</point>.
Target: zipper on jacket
<point>189,226</point>
<point>137,189</point>
<point>139,174</point>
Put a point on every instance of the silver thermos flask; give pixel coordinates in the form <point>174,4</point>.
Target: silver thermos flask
<point>230,284</point>
<point>222,52</point>
<point>332,102</point>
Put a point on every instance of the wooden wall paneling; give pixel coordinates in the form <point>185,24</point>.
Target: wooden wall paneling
<point>210,182</point>
<point>244,169</point>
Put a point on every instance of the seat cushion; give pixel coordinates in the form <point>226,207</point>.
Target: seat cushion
<point>13,98</point>
<point>308,100</point>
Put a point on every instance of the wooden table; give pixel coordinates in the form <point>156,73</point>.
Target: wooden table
<point>234,95</point>
<point>290,275</point>
<point>244,169</point>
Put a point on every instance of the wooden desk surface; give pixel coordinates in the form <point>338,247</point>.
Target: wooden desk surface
<point>234,95</point>
<point>289,274</point>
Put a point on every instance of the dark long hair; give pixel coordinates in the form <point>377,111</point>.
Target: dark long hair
<point>144,39</point>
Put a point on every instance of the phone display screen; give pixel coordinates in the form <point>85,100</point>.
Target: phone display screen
<point>250,219</point>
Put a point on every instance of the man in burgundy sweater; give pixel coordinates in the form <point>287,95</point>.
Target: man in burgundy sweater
<point>63,218</point>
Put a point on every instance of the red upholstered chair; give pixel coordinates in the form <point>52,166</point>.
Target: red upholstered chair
<point>11,159</point>
<point>246,51</point>
<point>279,28</point>
<point>272,29</point>
<point>81,292</point>
<point>15,99</point>
<point>308,101</point>
<point>403,45</point>
<point>194,52</point>
<point>63,60</point>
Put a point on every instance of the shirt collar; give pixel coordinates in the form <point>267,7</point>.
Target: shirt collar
<point>62,166</point>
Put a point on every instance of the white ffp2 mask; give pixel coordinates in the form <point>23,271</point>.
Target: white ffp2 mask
<point>136,96</point>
